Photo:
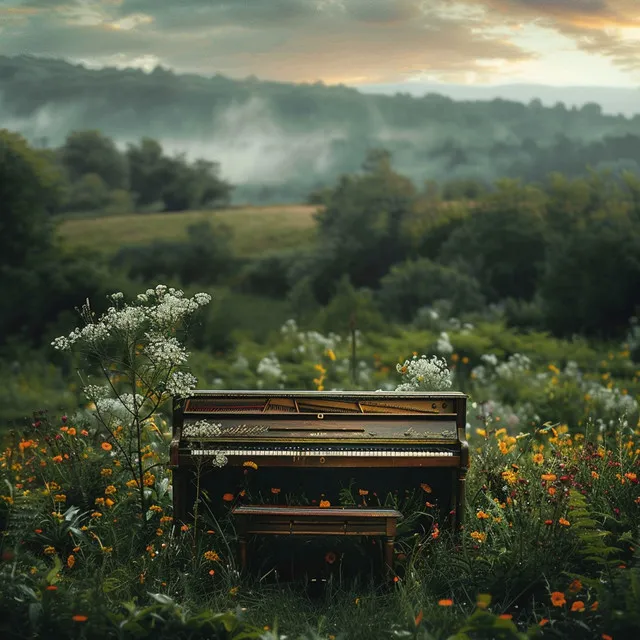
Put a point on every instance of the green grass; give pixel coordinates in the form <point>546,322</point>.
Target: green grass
<point>255,229</point>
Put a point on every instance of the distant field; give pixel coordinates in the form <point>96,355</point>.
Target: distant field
<point>255,229</point>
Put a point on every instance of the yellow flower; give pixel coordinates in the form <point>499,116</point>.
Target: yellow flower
<point>106,472</point>
<point>211,556</point>
<point>478,536</point>
<point>510,477</point>
<point>250,464</point>
<point>110,490</point>
<point>538,458</point>
<point>49,550</point>
<point>331,354</point>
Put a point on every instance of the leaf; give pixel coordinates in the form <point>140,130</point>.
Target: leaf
<point>52,577</point>
<point>162,598</point>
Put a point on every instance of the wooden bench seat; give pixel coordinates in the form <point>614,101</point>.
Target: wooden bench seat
<point>308,521</point>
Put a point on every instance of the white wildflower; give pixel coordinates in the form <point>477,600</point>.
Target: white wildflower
<point>181,384</point>
<point>423,374</point>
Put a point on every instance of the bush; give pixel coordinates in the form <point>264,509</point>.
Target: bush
<point>416,283</point>
<point>204,258</point>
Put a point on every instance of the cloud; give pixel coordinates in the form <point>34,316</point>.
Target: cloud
<point>597,27</point>
<point>349,41</point>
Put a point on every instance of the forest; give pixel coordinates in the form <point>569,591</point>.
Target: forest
<point>278,141</point>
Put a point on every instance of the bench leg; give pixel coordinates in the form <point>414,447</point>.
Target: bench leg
<point>243,552</point>
<point>388,553</point>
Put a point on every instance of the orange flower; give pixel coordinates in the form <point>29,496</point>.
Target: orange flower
<point>543,621</point>
<point>275,491</point>
<point>505,616</point>
<point>324,504</point>
<point>211,555</point>
<point>575,586</point>
<point>445,602</point>
<point>564,523</point>
<point>550,477</point>
<point>79,618</point>
<point>481,515</point>
<point>228,497</point>
<point>106,446</point>
<point>594,606</point>
<point>605,636</point>
<point>578,605</point>
<point>52,587</point>
<point>426,488</point>
<point>56,459</point>
<point>538,458</point>
<point>71,560</point>
<point>250,464</point>
<point>71,431</point>
<point>558,599</point>
<point>363,492</point>
<point>552,491</point>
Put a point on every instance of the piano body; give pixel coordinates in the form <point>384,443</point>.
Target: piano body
<point>308,446</point>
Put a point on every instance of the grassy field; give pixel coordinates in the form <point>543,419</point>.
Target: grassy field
<point>255,229</point>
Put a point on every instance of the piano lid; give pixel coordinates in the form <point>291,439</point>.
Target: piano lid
<point>314,402</point>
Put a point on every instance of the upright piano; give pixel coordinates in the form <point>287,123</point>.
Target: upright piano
<point>311,448</point>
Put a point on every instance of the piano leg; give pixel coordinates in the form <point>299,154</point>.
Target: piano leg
<point>179,482</point>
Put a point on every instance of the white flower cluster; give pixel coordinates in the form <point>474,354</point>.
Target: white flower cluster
<point>219,460</point>
<point>269,367</point>
<point>423,374</point>
<point>181,384</point>
<point>120,407</point>
<point>613,401</point>
<point>444,344</point>
<point>96,392</point>
<point>492,369</point>
<point>202,429</point>
<point>165,351</point>
<point>310,343</point>
<point>159,308</point>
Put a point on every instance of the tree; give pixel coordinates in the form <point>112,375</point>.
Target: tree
<point>30,188</point>
<point>360,228</point>
<point>92,152</point>
<point>503,241</point>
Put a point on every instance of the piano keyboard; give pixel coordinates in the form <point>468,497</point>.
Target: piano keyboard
<point>300,452</point>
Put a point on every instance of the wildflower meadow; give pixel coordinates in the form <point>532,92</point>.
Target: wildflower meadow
<point>549,546</point>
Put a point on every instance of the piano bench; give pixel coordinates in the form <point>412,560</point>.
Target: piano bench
<point>319,521</point>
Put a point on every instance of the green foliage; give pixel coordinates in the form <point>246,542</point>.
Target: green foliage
<point>92,152</point>
<point>30,188</point>
<point>204,258</point>
<point>503,242</point>
<point>418,283</point>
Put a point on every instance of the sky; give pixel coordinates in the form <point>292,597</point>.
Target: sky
<point>353,42</point>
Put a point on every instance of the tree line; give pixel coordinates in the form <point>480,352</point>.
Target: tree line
<point>562,255</point>
<point>430,137</point>
<point>96,176</point>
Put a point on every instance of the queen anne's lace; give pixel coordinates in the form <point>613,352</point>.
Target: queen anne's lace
<point>423,374</point>
<point>202,429</point>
